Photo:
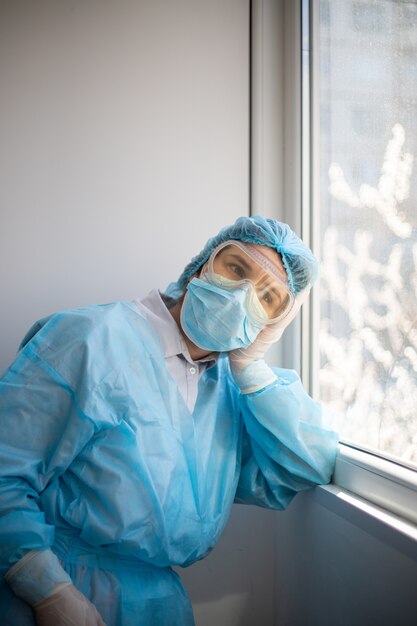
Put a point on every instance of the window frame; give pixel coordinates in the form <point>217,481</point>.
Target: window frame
<point>369,477</point>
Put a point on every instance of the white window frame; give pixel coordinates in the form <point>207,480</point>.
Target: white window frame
<point>374,492</point>
<point>378,490</point>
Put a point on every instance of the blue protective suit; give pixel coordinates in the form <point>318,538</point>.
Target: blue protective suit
<point>101,460</point>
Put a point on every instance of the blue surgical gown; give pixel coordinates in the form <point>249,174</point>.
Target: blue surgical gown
<point>101,461</point>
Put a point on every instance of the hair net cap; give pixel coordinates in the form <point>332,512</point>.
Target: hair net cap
<point>300,263</point>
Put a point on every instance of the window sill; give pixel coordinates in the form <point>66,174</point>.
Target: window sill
<point>377,480</point>
<point>377,495</point>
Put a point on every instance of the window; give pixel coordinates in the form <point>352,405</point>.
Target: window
<point>367,199</point>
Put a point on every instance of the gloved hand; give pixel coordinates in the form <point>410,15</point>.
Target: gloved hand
<point>40,580</point>
<point>250,372</point>
<point>66,606</point>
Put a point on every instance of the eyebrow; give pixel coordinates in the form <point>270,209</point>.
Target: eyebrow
<point>279,293</point>
<point>241,260</point>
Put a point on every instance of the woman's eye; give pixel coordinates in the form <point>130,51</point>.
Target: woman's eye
<point>267,297</point>
<point>238,270</point>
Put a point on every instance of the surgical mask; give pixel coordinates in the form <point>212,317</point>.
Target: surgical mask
<point>217,319</point>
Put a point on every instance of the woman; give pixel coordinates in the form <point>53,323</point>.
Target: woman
<point>128,430</point>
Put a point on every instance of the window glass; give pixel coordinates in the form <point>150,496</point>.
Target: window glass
<point>368,222</point>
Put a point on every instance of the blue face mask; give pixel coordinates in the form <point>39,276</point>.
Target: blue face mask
<point>216,319</point>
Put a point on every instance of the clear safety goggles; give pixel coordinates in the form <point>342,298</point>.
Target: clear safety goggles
<point>234,264</point>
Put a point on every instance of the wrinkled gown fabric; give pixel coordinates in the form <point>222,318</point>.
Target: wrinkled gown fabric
<point>101,461</point>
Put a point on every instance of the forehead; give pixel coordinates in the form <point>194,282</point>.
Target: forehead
<point>272,255</point>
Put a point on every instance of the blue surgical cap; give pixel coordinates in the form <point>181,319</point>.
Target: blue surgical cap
<point>299,261</point>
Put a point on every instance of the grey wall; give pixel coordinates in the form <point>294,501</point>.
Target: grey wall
<point>334,570</point>
<point>124,145</point>
<point>234,585</point>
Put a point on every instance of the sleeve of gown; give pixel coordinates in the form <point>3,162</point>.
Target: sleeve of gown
<point>42,429</point>
<point>286,447</point>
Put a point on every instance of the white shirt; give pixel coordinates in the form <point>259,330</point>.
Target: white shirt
<point>182,368</point>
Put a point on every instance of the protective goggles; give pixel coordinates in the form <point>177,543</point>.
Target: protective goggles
<point>236,264</point>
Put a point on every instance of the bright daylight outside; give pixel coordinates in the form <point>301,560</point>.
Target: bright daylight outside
<point>368,222</point>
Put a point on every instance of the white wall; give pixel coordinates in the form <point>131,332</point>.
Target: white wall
<point>124,145</point>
